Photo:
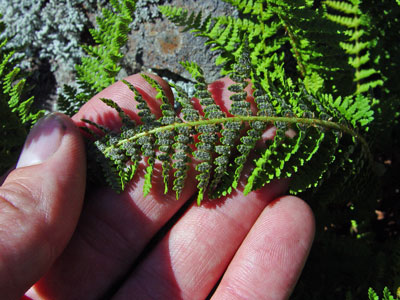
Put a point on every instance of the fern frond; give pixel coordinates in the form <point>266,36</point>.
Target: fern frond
<point>228,34</point>
<point>387,295</point>
<point>144,144</point>
<point>224,141</point>
<point>181,17</point>
<point>249,140</point>
<point>357,45</point>
<point>100,67</point>
<point>16,113</point>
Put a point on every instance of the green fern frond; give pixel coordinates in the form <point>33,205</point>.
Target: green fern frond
<point>100,67</point>
<point>387,295</point>
<point>181,17</point>
<point>16,113</point>
<point>227,33</point>
<point>267,31</point>
<point>248,141</point>
<point>231,131</point>
<point>357,45</point>
<point>224,140</point>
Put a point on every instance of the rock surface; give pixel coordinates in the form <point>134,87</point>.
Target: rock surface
<point>158,45</point>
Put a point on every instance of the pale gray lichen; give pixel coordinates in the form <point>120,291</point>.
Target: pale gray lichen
<point>47,29</point>
<point>60,32</point>
<point>146,11</point>
<point>22,21</point>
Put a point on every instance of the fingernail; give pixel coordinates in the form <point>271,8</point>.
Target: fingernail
<point>43,140</point>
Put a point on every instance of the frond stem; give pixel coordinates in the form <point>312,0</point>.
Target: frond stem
<point>270,119</point>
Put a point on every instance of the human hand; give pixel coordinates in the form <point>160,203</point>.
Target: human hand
<point>258,243</point>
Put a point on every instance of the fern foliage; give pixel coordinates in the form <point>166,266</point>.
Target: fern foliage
<point>16,113</point>
<point>100,67</point>
<point>313,81</point>
<point>387,295</point>
<point>224,141</point>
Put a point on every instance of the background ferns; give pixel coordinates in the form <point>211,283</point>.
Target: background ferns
<point>99,68</point>
<point>16,114</point>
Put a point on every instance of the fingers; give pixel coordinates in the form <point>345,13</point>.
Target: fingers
<point>220,92</point>
<point>271,258</point>
<point>113,229</point>
<point>188,262</point>
<point>95,110</point>
<point>40,202</point>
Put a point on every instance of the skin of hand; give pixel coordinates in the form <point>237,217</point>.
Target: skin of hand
<point>59,246</point>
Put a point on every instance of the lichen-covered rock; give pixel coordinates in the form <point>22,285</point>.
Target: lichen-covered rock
<point>47,30</point>
<point>50,32</point>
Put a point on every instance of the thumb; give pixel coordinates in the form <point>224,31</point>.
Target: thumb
<point>40,203</point>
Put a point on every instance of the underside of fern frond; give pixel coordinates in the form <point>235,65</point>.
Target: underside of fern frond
<point>305,144</point>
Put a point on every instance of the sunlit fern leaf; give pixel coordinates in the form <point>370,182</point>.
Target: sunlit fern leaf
<point>344,7</point>
<point>227,33</point>
<point>317,165</point>
<point>357,46</point>
<point>263,161</point>
<point>267,165</point>
<point>305,27</point>
<point>387,295</point>
<point>249,140</point>
<point>356,109</point>
<point>112,161</point>
<point>117,159</point>
<point>181,17</point>
<point>144,112</point>
<point>130,161</point>
<point>144,143</point>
